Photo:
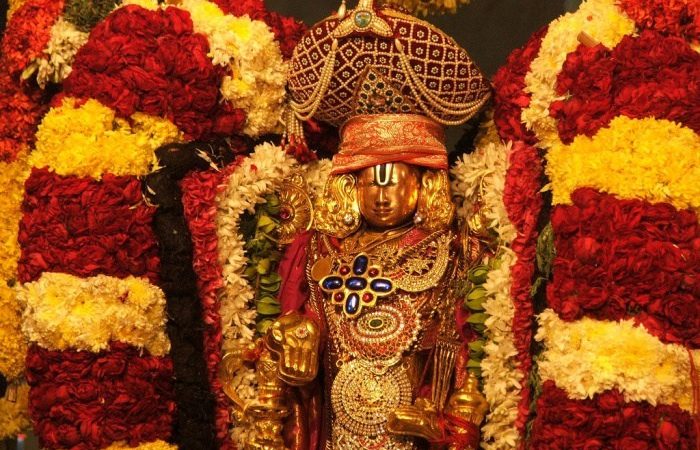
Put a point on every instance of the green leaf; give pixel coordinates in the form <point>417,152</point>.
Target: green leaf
<point>263,266</point>
<point>268,309</point>
<point>478,318</point>
<point>475,305</point>
<point>477,346</point>
<point>546,250</point>
<point>478,274</point>
<point>269,299</point>
<point>478,327</point>
<point>478,293</point>
<point>266,223</point>
<point>250,273</point>
<point>474,364</point>
<point>270,279</point>
<point>263,326</point>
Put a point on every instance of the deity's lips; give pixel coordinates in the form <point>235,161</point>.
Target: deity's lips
<point>382,211</point>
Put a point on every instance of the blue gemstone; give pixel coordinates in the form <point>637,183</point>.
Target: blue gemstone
<point>331,283</point>
<point>381,285</point>
<point>352,304</point>
<point>359,266</point>
<point>356,284</point>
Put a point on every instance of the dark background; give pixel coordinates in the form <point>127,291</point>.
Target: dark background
<point>488,29</point>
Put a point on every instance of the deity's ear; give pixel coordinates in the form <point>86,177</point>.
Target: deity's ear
<point>435,207</point>
<point>338,211</point>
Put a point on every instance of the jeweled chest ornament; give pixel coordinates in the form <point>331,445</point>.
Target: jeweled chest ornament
<point>357,285</point>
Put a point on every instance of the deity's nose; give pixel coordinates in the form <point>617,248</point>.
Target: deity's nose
<point>382,198</point>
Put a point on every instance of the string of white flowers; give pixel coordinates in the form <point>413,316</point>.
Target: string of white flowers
<point>589,356</point>
<point>482,174</point>
<point>257,176</point>
<point>602,21</point>
<point>258,71</point>
<point>56,63</point>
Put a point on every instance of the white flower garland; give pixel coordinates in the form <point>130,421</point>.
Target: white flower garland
<point>604,22</point>
<point>62,311</point>
<point>590,356</point>
<point>60,52</point>
<point>258,70</point>
<point>316,174</point>
<point>485,170</point>
<point>258,175</point>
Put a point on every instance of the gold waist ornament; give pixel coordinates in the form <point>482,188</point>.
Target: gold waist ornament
<point>362,397</point>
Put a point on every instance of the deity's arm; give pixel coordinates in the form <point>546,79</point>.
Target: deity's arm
<point>303,428</point>
<point>449,417</point>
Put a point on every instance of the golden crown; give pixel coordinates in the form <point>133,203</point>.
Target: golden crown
<point>378,60</point>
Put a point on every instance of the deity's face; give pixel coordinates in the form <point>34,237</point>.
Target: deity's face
<point>388,194</point>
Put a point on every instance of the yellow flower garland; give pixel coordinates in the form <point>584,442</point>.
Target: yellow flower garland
<point>603,21</point>
<point>156,445</point>
<point>89,140</point>
<point>656,160</point>
<point>63,311</point>
<point>258,70</point>
<point>14,416</point>
<point>12,343</point>
<point>590,356</point>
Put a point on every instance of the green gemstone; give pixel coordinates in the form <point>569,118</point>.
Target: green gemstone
<point>376,323</point>
<point>363,19</point>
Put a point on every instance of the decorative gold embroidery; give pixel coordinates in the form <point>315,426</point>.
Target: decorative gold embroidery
<point>363,395</point>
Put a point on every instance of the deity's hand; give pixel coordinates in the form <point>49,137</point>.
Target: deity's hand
<point>417,420</point>
<point>294,340</point>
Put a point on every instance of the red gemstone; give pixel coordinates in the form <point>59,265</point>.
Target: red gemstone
<point>373,272</point>
<point>344,270</point>
<point>338,296</point>
<point>367,297</point>
<point>285,213</point>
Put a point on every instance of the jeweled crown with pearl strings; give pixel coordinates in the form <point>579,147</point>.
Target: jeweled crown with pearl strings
<point>378,60</point>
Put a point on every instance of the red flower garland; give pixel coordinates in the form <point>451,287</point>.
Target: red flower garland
<point>607,422</point>
<point>153,62</point>
<point>21,110</point>
<point>199,201</point>
<point>509,96</point>
<point>28,32</point>
<point>618,259</point>
<point>523,202</point>
<point>676,17</point>
<point>86,401</point>
<point>86,227</point>
<point>650,75</point>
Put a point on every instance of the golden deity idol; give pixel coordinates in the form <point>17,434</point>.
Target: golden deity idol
<point>370,344</point>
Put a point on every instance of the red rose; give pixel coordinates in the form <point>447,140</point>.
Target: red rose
<point>619,259</point>
<point>676,17</point>
<point>509,96</point>
<point>607,422</point>
<point>101,403</point>
<point>86,227</point>
<point>650,75</point>
<point>151,62</point>
<point>28,32</point>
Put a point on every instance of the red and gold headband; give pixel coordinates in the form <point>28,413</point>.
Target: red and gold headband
<point>368,140</point>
